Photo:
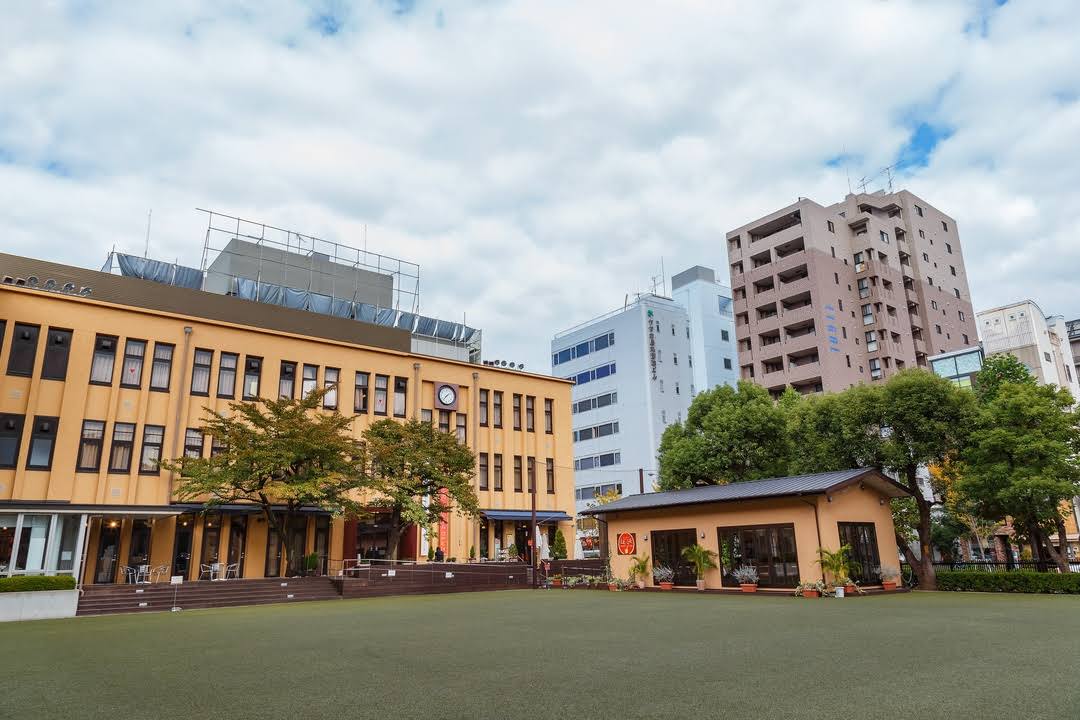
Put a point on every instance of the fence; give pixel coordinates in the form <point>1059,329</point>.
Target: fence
<point>593,567</point>
<point>986,566</point>
<point>370,578</point>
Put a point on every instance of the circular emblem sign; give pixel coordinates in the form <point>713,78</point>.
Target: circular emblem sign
<point>627,543</point>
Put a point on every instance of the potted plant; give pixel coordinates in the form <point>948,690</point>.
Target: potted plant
<point>888,577</point>
<point>663,576</point>
<point>556,581</point>
<point>512,553</point>
<point>613,584</point>
<point>702,559</point>
<point>747,576</point>
<point>311,563</point>
<point>639,570</point>
<point>809,589</point>
<point>472,553</point>
<point>838,565</point>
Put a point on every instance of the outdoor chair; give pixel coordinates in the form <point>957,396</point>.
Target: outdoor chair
<point>142,574</point>
<point>209,571</point>
<point>130,574</point>
<point>232,571</point>
<point>159,572</point>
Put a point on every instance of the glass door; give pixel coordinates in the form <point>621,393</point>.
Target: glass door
<point>322,543</point>
<point>770,549</point>
<point>297,542</point>
<point>237,542</point>
<point>108,552</point>
<point>862,537</point>
<point>182,543</point>
<point>211,540</point>
<point>667,548</point>
<point>139,548</point>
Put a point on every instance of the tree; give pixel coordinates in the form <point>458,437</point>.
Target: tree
<point>830,433</point>
<point>418,473</point>
<point>730,435</point>
<point>1019,462</point>
<point>276,454</point>
<point>558,546</point>
<point>998,370</point>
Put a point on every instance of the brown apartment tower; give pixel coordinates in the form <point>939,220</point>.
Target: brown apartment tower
<point>828,297</point>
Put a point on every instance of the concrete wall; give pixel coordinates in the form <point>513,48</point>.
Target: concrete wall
<point>41,605</point>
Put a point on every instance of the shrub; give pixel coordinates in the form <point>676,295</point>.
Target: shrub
<point>34,583</point>
<point>662,573</point>
<point>746,575</point>
<point>1018,581</point>
<point>558,546</point>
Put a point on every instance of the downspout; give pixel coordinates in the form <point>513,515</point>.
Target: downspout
<point>474,395</point>
<point>179,405</point>
<point>817,526</point>
<point>416,391</point>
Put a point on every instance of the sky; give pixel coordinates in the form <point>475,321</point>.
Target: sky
<point>539,160</point>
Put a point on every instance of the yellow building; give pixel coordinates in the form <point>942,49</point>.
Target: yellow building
<point>101,384</point>
<point>774,525</point>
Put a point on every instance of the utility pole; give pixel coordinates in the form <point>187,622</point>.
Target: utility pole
<point>641,480</point>
<point>532,538</point>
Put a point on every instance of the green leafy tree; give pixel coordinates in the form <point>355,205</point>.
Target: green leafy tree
<point>730,435</point>
<point>831,433</point>
<point>999,370</point>
<point>276,455</point>
<point>558,546</point>
<point>1020,462</point>
<point>418,473</point>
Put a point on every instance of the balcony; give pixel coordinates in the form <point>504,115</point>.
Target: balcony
<point>806,341</point>
<point>804,372</point>
<point>776,232</point>
<point>920,346</point>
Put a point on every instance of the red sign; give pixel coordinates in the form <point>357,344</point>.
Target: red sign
<point>627,543</point>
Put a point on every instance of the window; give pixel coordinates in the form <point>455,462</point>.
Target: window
<point>461,420</point>
<point>90,445</point>
<point>518,487</point>
<point>444,421</point>
<point>382,384</point>
<point>884,237</point>
<point>530,413</point>
<point>966,339</point>
<point>860,263</point>
<point>496,408</point>
<point>938,329</point>
<point>57,349</point>
<point>595,461</point>
<point>310,381</point>
<point>933,304</point>
<point>596,431</point>
<point>948,248</point>
<point>724,335</point>
<point>961,313</point>
<point>594,402</point>
<point>676,388</point>
<point>875,369</point>
<point>483,408</point>
<point>150,460</point>
<point>829,224</point>
<point>871,341</point>
<point>589,346</point>
<point>226,381</point>
<point>596,373</point>
<point>123,440</point>
<point>922,234</point>
<point>217,447</point>
<point>252,377</point>
<point>517,411</point>
<point>952,270</point>
<point>101,368</point>
<point>23,350</point>
<point>918,210</point>
<point>925,257</point>
<point>360,393</point>
<point>727,363</point>
<point>945,226</point>
<point>549,405</point>
<point>956,292</point>
<point>200,372</point>
<point>131,370</point>
<point>42,443</point>
<point>286,387</point>
<point>483,471</point>
<point>11,427</point>
<point>193,443</point>
<point>425,415</point>
<point>161,367</point>
<point>864,287</point>
<point>868,314</point>
<point>531,467</point>
<point>930,281</point>
<point>400,386</point>
<point>550,470</point>
<point>330,382</point>
<point>1046,356</point>
<point>498,472</point>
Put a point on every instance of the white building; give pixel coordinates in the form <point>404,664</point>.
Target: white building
<point>712,327</point>
<point>1039,341</point>
<point>633,369</point>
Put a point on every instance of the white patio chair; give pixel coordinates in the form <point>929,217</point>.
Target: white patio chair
<point>232,571</point>
<point>130,574</point>
<point>207,570</point>
<point>142,574</point>
<point>159,572</point>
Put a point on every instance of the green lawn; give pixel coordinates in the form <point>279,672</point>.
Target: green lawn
<point>559,654</point>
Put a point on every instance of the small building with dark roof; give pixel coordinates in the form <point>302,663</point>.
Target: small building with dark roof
<point>775,525</point>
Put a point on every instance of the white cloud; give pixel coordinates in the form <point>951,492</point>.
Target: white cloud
<point>538,159</point>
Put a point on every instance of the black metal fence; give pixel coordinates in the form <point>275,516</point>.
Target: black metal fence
<point>911,580</point>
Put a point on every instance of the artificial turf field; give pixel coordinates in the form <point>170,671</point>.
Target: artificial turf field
<point>558,654</point>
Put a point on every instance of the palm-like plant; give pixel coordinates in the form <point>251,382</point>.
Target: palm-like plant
<point>701,558</point>
<point>837,564</point>
<point>639,567</point>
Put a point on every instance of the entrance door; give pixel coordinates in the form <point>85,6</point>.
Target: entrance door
<point>768,548</point>
<point>139,548</point>
<point>322,543</point>
<point>182,542</point>
<point>865,561</point>
<point>237,542</point>
<point>667,548</point>
<point>108,552</point>
<point>297,542</point>
<point>211,540</point>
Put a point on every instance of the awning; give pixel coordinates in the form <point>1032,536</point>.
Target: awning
<point>65,508</point>
<point>246,508</point>
<point>526,515</point>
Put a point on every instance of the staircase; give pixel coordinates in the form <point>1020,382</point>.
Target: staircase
<point>158,597</point>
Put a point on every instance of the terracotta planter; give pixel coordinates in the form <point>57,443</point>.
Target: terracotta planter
<point>849,590</point>
<point>667,586</point>
<point>640,584</point>
<point>612,587</point>
<point>811,593</point>
<point>748,587</point>
<point>556,583</point>
<point>888,586</point>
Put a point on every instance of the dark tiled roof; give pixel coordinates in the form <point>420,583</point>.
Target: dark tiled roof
<point>771,487</point>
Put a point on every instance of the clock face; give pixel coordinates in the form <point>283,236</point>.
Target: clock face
<point>447,396</point>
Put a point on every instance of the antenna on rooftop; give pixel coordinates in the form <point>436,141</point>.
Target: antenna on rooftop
<point>149,217</point>
<point>886,171</point>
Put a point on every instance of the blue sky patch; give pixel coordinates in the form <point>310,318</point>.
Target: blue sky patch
<point>921,144</point>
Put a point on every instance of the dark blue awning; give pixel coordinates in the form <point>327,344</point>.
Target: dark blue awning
<point>526,515</point>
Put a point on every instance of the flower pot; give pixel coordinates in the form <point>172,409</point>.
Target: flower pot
<point>612,587</point>
<point>667,586</point>
<point>748,587</point>
<point>701,585</point>
<point>811,593</point>
<point>556,583</point>
<point>849,590</point>
<point>640,584</point>
<point>888,585</point>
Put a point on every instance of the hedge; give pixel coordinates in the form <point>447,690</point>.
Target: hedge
<point>34,583</point>
<point>1018,581</point>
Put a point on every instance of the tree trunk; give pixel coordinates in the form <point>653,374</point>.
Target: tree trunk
<point>283,543</point>
<point>1063,547</point>
<point>394,535</point>
<point>1059,558</point>
<point>924,569</point>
